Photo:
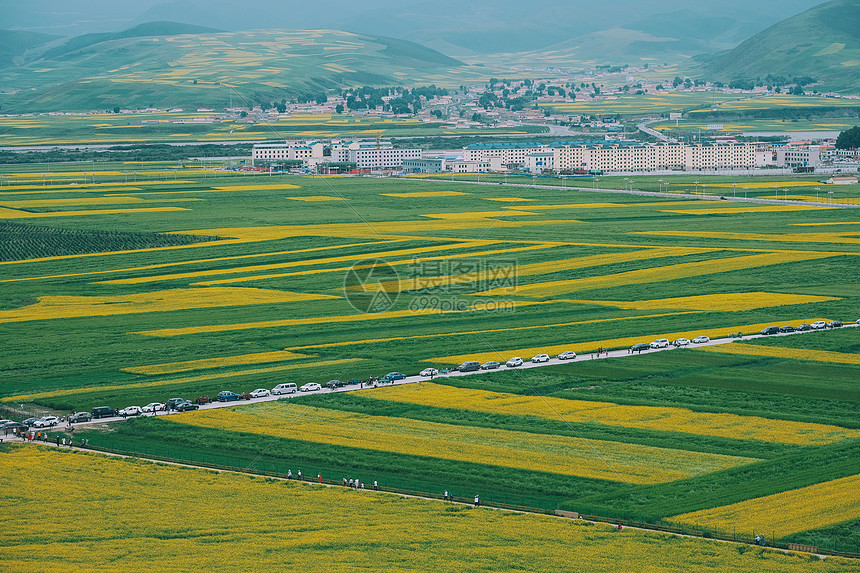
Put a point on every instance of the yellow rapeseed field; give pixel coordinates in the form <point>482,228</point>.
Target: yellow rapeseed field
<point>317,198</point>
<point>54,306</point>
<point>735,210</point>
<point>784,513</point>
<point>728,302</point>
<point>659,274</point>
<point>82,201</point>
<point>70,516</point>
<point>609,414</point>
<point>417,194</point>
<point>792,353</point>
<point>838,238</point>
<point>204,363</point>
<point>13,214</point>
<point>598,459</point>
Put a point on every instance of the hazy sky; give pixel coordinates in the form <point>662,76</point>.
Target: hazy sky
<point>495,23</point>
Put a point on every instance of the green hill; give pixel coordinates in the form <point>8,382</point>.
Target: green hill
<point>14,43</point>
<point>823,42</point>
<point>161,65</point>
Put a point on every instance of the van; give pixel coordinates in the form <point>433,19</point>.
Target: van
<point>470,366</point>
<point>770,330</point>
<point>103,412</point>
<point>288,388</point>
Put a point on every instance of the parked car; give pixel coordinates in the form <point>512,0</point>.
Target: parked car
<point>469,366</point>
<point>819,324</point>
<point>332,384</point>
<point>187,406</point>
<point>310,387</point>
<point>681,342</point>
<point>78,417</point>
<point>858,321</point>
<point>567,355</point>
<point>770,330</point>
<point>787,329</point>
<point>5,421</point>
<point>14,427</point>
<point>103,412</point>
<point>428,372</point>
<point>202,400</point>
<point>29,421</point>
<point>537,358</point>
<point>244,396</point>
<point>392,376</point>
<point>804,328</point>
<point>286,388</point>
<point>514,362</point>
<point>490,365</point>
<point>260,393</point>
<point>353,382</point>
<point>171,404</point>
<point>640,346</point>
<point>834,324</point>
<point>701,339</point>
<point>131,411</point>
<point>660,343</point>
<point>46,422</point>
<point>153,407</point>
<point>227,396</point>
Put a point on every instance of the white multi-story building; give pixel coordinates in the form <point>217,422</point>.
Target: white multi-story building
<point>507,153</point>
<point>806,156</point>
<point>305,152</point>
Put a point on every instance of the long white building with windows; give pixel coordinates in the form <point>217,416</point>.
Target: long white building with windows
<point>617,156</point>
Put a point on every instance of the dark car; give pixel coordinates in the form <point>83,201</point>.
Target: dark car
<point>80,417</point>
<point>227,396</point>
<point>202,400</point>
<point>490,365</point>
<point>14,428</point>
<point>29,421</point>
<point>186,407</point>
<point>104,412</point>
<point>171,404</point>
<point>470,366</point>
<point>332,384</point>
<point>834,324</point>
<point>640,347</point>
<point>804,328</point>
<point>787,329</point>
<point>770,330</point>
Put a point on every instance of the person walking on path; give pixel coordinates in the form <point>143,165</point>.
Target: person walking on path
<point>290,474</point>
<point>445,495</point>
<point>300,474</point>
<point>58,440</point>
<point>375,485</point>
<point>477,500</point>
<point>319,478</point>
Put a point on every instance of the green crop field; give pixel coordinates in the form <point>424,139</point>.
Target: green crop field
<point>182,282</point>
<point>158,127</point>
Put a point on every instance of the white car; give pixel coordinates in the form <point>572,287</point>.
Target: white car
<point>819,324</point>
<point>660,343</point>
<point>701,339</point>
<point>515,361</point>
<point>540,358</point>
<point>681,342</point>
<point>131,411</point>
<point>46,422</point>
<point>310,387</point>
<point>152,407</point>
<point>260,393</point>
<point>429,372</point>
<point>567,355</point>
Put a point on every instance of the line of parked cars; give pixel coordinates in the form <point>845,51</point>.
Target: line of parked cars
<point>474,365</point>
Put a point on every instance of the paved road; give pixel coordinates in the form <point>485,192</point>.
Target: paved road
<point>622,353</point>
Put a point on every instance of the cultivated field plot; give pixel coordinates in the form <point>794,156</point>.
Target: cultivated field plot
<point>158,127</point>
<point>178,515</point>
<point>193,284</point>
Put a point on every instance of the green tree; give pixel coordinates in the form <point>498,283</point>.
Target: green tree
<point>339,108</point>
<point>849,139</point>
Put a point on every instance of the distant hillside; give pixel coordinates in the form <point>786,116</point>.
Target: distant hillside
<point>161,64</point>
<point>823,42</point>
<point>14,43</point>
